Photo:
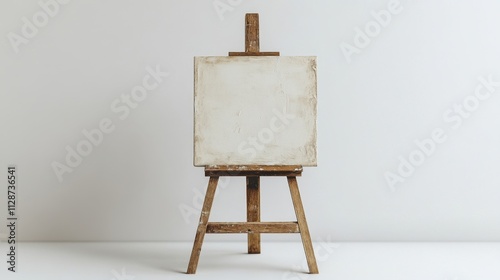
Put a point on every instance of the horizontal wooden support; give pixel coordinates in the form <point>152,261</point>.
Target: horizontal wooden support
<point>253,227</point>
<point>254,53</point>
<point>253,170</point>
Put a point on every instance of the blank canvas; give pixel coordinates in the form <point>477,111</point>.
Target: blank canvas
<point>255,110</point>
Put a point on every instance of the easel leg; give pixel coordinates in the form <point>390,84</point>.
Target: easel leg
<point>253,212</point>
<point>202,226</point>
<point>304,230</point>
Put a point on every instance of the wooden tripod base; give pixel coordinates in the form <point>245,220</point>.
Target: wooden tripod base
<point>253,227</point>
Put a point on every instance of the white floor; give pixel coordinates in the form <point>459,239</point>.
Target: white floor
<point>342,261</point>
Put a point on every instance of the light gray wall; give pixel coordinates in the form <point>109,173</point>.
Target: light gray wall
<point>399,85</point>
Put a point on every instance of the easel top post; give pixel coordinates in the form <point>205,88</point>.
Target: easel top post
<point>252,42</point>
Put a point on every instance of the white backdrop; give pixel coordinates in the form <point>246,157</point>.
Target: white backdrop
<point>409,85</point>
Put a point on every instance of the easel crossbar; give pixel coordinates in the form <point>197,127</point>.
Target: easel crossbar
<point>253,227</point>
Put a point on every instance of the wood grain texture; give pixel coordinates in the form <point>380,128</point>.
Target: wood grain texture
<point>253,170</point>
<point>254,53</point>
<point>253,212</point>
<point>304,229</point>
<point>253,227</point>
<point>252,40</point>
<point>202,226</point>
<point>252,43</point>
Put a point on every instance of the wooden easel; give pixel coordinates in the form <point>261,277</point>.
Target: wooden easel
<point>253,227</point>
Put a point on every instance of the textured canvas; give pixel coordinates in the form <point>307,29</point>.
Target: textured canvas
<point>255,110</point>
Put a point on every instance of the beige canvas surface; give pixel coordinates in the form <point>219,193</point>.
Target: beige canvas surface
<point>255,111</point>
